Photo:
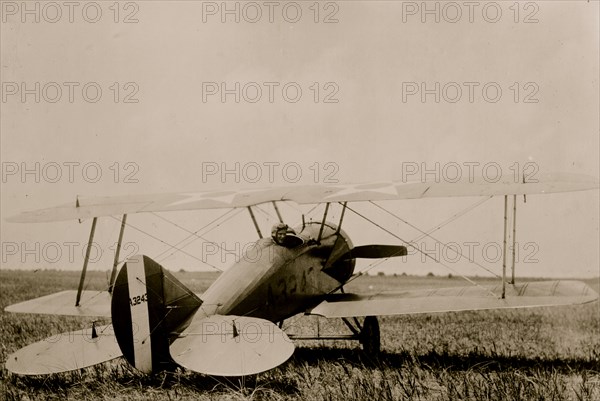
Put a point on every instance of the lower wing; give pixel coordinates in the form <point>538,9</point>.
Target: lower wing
<point>525,295</point>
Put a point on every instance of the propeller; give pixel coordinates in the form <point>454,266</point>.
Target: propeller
<point>374,252</point>
<point>340,265</point>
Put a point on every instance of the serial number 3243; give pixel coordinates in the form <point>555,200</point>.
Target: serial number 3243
<point>138,299</point>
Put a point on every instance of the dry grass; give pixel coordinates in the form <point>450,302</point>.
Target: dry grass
<point>530,354</point>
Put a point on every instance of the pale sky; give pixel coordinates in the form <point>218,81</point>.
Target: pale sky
<point>521,93</point>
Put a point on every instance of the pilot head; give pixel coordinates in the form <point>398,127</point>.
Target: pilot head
<point>278,232</point>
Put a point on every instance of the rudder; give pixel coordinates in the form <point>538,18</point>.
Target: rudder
<point>148,305</point>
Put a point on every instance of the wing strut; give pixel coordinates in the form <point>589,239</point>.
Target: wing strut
<point>113,274</point>
<point>254,221</point>
<point>277,211</point>
<point>514,243</point>
<point>341,218</point>
<point>504,248</point>
<point>86,260</point>
<point>323,223</point>
<point>514,249</point>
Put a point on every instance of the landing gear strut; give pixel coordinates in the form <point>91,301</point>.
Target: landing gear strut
<point>366,333</point>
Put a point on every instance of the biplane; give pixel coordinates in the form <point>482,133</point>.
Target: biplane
<point>235,327</point>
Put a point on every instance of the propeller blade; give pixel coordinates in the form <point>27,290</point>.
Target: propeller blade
<point>374,252</point>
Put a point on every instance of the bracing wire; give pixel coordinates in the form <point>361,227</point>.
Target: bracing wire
<point>415,247</point>
<point>428,234</point>
<point>169,245</point>
<point>194,235</point>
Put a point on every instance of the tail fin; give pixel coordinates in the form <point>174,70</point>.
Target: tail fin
<point>147,306</point>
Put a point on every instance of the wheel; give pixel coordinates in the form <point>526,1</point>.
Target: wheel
<point>370,337</point>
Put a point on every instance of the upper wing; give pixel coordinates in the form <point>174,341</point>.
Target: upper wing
<point>526,295</point>
<point>106,206</point>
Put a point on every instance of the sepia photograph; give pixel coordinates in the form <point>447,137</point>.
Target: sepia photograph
<point>300,200</point>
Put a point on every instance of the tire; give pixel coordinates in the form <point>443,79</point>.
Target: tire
<point>370,337</point>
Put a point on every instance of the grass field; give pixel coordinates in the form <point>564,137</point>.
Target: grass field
<point>528,354</point>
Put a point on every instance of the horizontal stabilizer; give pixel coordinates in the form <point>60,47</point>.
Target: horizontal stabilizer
<point>231,346</point>
<point>525,295</point>
<point>92,303</point>
<point>65,352</point>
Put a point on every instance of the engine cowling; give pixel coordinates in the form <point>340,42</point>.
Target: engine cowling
<point>334,244</point>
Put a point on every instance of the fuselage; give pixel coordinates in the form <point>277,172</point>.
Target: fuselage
<point>274,282</point>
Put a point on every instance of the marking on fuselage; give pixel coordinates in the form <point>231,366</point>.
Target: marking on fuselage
<point>288,287</point>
